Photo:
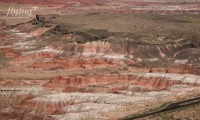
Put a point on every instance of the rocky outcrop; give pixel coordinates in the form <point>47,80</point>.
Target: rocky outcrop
<point>75,63</point>
<point>114,83</point>
<point>68,41</point>
<point>46,17</point>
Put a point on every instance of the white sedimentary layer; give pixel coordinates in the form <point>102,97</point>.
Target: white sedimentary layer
<point>190,78</point>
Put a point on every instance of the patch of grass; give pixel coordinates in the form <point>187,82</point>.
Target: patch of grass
<point>165,116</point>
<point>3,60</point>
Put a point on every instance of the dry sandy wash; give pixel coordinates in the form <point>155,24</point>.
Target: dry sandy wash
<point>76,65</point>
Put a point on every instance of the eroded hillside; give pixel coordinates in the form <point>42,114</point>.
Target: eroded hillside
<point>98,59</point>
<point>53,68</point>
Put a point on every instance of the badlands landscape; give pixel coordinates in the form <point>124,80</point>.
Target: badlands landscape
<point>99,59</point>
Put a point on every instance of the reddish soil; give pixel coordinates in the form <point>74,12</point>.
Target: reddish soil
<point>111,83</point>
<point>54,71</point>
